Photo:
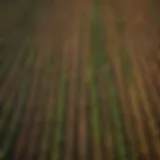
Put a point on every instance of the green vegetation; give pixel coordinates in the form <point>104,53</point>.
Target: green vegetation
<point>15,70</point>
<point>10,61</point>
<point>115,112</point>
<point>95,108</point>
<point>154,7</point>
<point>49,65</point>
<point>99,60</point>
<point>59,135</point>
<point>120,25</point>
<point>31,59</point>
<point>8,105</point>
<point>49,109</point>
<point>5,112</point>
<point>96,61</point>
<point>126,64</point>
<point>16,118</point>
<point>12,133</point>
<point>123,53</point>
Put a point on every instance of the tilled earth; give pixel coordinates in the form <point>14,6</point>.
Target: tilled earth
<point>79,80</point>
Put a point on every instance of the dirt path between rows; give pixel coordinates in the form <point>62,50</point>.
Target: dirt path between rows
<point>59,112</point>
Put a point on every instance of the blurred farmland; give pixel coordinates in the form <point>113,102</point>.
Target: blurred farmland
<point>79,80</point>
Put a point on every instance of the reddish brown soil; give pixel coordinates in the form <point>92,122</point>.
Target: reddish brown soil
<point>63,29</point>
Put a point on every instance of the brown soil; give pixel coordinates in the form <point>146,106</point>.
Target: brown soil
<point>62,28</point>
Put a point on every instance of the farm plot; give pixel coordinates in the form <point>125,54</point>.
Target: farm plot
<point>79,80</point>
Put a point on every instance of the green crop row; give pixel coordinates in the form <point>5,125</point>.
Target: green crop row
<point>59,135</point>
<point>96,50</point>
<point>13,72</point>
<point>16,117</point>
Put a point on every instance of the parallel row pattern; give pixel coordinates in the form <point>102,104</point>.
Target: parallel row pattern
<point>79,80</point>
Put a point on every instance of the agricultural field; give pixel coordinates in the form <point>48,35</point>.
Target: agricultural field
<point>79,80</point>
